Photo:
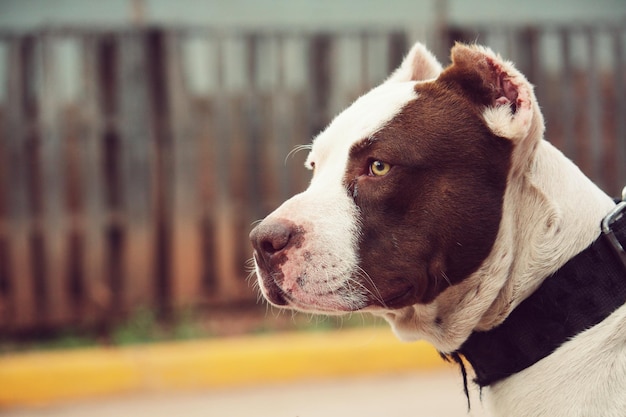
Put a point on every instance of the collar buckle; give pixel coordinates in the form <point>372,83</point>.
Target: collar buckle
<point>618,213</point>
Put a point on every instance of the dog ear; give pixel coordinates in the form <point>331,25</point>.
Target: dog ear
<point>419,64</point>
<point>510,107</point>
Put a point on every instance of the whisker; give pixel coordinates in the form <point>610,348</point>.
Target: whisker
<point>355,303</point>
<point>378,296</point>
<point>297,149</point>
<point>340,318</point>
<point>254,223</point>
<point>276,312</point>
<point>445,276</point>
<point>250,266</point>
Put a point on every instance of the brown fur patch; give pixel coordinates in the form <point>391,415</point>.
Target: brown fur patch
<point>432,220</point>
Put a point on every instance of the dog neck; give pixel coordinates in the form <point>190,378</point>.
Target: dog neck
<point>551,212</point>
<point>575,298</point>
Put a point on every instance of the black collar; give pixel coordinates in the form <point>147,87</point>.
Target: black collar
<point>586,290</point>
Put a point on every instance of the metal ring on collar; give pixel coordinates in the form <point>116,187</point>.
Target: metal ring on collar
<point>615,215</point>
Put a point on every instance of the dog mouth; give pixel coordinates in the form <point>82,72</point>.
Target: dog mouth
<point>321,303</point>
<point>330,302</point>
<point>268,283</point>
<point>275,294</point>
<point>313,293</point>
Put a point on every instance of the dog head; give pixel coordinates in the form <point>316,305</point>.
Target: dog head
<point>407,191</point>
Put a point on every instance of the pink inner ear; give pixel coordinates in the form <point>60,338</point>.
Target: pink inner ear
<point>507,93</point>
<point>508,88</point>
<point>502,101</point>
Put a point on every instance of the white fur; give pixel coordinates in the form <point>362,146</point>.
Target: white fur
<point>360,121</point>
<point>583,378</point>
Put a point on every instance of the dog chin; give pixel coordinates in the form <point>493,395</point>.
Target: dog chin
<point>319,306</point>
<point>328,304</point>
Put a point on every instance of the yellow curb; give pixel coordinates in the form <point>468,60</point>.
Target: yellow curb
<point>40,378</point>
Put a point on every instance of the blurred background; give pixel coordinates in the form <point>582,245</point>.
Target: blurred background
<point>140,140</point>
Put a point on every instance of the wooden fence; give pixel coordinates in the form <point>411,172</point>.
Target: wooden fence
<point>133,162</point>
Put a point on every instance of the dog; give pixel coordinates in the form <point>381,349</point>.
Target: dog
<point>436,203</point>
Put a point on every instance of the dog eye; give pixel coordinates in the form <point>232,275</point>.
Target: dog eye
<point>379,168</point>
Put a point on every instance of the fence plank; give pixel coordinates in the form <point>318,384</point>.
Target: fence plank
<point>255,148</point>
<point>223,215</point>
<point>54,224</point>
<point>619,83</point>
<point>251,143</point>
<point>594,115</point>
<point>161,136</point>
<point>109,96</point>
<point>282,122</point>
<point>235,154</point>
<point>186,236</point>
<point>137,175</point>
<point>93,222</point>
<point>567,98</point>
<point>397,49</point>
<point>203,134</point>
<point>5,287</point>
<point>319,64</point>
<point>208,126</point>
<point>23,308</point>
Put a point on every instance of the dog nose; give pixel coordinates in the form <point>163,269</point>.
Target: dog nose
<point>271,237</point>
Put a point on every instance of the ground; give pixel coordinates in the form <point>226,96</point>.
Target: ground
<point>421,394</point>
